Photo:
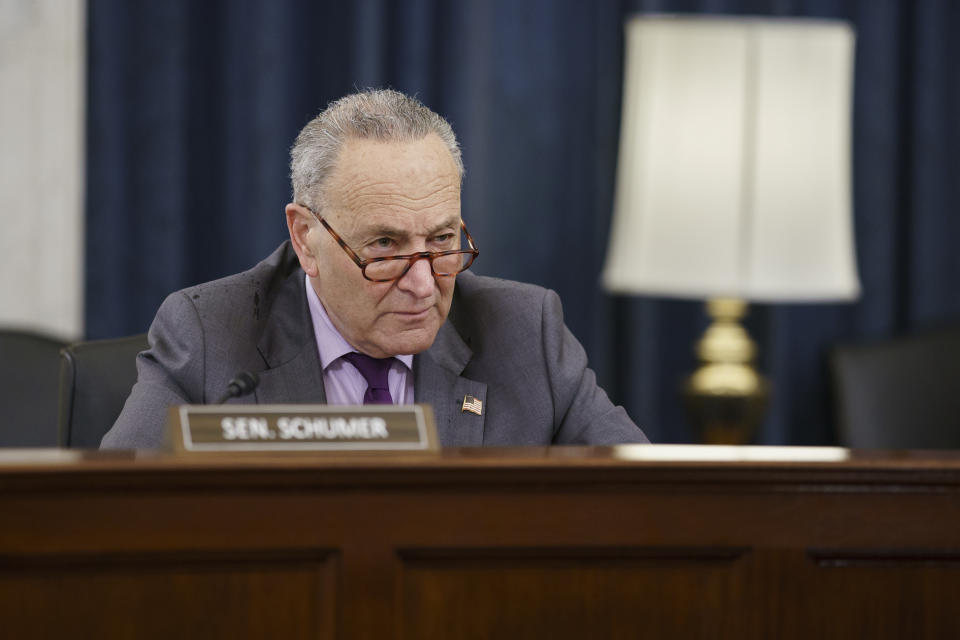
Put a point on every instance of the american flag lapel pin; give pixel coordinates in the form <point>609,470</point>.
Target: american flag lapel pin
<point>473,405</point>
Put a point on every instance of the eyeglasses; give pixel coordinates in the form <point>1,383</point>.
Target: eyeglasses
<point>443,264</point>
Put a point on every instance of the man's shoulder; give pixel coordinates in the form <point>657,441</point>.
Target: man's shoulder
<point>240,304</point>
<point>494,306</point>
<point>263,278</point>
<point>472,287</point>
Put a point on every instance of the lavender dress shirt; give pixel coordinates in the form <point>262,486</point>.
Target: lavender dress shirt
<point>341,380</point>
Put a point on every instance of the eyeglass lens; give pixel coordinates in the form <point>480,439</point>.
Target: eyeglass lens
<point>442,265</point>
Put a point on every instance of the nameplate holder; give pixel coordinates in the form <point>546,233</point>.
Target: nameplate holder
<point>313,428</point>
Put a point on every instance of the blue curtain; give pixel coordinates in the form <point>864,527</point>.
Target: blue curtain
<point>193,106</point>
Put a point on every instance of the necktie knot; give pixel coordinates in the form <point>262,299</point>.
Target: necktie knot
<point>374,371</point>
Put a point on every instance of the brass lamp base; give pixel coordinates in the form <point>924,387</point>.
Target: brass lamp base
<point>725,397</point>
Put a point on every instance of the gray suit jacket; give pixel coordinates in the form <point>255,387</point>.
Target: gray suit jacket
<point>503,342</point>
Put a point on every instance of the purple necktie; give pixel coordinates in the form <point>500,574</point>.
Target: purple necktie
<point>374,371</point>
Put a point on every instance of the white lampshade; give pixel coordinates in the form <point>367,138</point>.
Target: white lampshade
<point>734,169</point>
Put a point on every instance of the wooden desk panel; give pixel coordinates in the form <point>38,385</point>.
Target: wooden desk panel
<point>559,543</point>
<point>170,595</point>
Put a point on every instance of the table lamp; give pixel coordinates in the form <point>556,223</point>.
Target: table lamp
<point>733,185</point>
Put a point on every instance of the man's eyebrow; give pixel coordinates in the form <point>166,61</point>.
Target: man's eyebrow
<point>452,221</point>
<point>385,230</point>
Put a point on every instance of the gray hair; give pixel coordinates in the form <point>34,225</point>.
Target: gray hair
<point>379,114</point>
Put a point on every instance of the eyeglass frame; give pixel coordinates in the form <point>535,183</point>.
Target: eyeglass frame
<point>411,258</point>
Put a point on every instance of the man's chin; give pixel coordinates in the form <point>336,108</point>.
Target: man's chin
<point>409,341</point>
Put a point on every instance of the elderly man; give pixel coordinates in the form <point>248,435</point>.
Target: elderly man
<point>370,301</point>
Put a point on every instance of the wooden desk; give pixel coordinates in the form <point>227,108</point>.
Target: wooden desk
<point>551,543</point>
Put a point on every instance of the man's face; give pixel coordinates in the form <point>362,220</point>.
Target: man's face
<point>387,198</point>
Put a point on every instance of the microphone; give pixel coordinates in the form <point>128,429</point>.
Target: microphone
<point>244,382</point>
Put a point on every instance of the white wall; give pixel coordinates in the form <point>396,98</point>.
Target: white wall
<point>42,97</point>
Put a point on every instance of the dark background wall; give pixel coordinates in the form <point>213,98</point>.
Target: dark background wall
<point>193,106</point>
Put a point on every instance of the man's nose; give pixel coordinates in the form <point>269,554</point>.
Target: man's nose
<point>419,279</point>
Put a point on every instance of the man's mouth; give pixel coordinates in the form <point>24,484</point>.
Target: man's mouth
<point>414,315</point>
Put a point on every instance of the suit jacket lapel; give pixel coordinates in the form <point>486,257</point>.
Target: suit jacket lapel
<point>437,381</point>
<point>289,349</point>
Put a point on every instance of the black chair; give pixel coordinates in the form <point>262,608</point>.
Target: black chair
<point>95,380</point>
<point>28,389</point>
<point>900,394</point>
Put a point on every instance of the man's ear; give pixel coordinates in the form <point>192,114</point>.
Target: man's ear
<point>300,225</point>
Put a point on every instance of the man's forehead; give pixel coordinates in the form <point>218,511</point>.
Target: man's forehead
<point>417,167</point>
<point>411,186</point>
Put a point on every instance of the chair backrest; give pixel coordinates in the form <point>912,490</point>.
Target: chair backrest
<point>900,394</point>
<point>95,380</point>
<point>28,389</point>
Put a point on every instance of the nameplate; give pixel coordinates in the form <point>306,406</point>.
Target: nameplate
<point>306,428</point>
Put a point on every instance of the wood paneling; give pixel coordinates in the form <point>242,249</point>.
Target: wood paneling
<point>575,593</point>
<point>558,543</point>
<point>169,595</point>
